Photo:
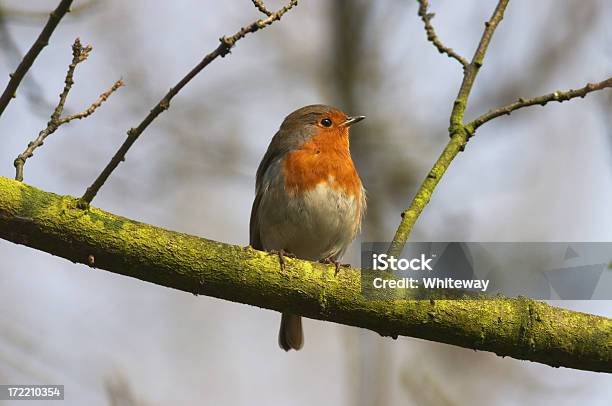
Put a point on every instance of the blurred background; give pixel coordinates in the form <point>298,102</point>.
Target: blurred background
<point>543,174</point>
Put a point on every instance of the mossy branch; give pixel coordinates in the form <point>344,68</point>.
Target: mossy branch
<point>519,328</point>
<point>459,132</point>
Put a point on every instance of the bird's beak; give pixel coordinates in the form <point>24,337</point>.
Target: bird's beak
<point>351,120</point>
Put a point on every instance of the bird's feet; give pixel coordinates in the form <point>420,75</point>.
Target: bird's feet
<point>330,260</point>
<point>281,257</point>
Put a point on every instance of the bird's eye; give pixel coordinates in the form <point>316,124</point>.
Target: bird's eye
<point>326,122</point>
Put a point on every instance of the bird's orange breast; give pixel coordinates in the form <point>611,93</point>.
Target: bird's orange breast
<point>323,159</point>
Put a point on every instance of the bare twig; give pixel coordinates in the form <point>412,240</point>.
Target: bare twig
<point>79,54</point>
<point>262,7</point>
<point>30,57</point>
<point>557,96</point>
<point>94,106</point>
<point>433,37</point>
<point>227,43</point>
<point>32,89</point>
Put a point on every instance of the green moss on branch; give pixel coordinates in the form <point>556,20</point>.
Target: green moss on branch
<point>520,328</point>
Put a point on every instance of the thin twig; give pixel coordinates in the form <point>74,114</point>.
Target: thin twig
<point>227,43</point>
<point>459,135</point>
<point>557,96</point>
<point>79,54</point>
<point>30,57</point>
<point>433,37</point>
<point>262,7</point>
<point>94,106</point>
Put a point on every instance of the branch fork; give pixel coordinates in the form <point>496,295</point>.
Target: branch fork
<point>459,131</point>
<point>80,54</point>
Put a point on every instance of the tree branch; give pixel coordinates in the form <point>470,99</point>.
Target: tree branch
<point>29,58</point>
<point>433,37</point>
<point>458,133</point>
<point>469,77</point>
<point>32,89</point>
<point>227,43</point>
<point>519,328</point>
<point>79,54</point>
<point>557,96</point>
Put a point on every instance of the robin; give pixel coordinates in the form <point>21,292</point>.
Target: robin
<point>309,200</point>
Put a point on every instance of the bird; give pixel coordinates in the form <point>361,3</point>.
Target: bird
<point>309,200</point>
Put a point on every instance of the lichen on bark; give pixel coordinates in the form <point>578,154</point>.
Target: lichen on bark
<point>520,328</point>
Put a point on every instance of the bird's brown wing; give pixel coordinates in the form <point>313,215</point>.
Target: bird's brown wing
<point>254,236</point>
<point>284,141</point>
<point>279,146</point>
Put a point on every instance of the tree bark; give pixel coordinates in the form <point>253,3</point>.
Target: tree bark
<point>519,328</point>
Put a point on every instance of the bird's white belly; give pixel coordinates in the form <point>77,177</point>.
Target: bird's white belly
<point>314,225</point>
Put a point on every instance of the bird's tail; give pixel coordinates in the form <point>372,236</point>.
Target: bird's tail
<point>291,335</point>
